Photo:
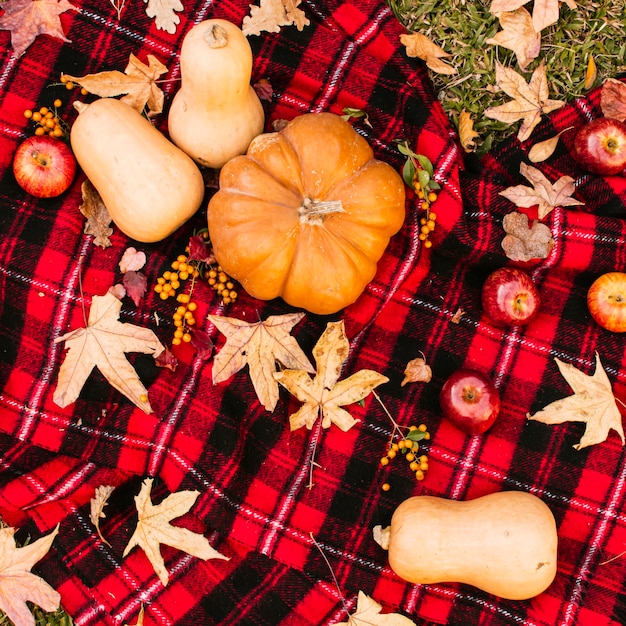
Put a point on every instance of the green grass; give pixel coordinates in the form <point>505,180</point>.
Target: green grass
<point>461,28</point>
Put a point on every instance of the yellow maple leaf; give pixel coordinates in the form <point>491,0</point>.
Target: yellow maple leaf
<point>368,613</point>
<point>270,15</point>
<point>530,100</point>
<point>593,403</point>
<point>545,12</point>
<point>421,47</point>
<point>518,34</point>
<point>323,395</point>
<point>154,528</point>
<point>138,82</point>
<point>259,345</point>
<point>103,344</point>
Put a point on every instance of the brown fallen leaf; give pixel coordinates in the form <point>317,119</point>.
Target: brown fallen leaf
<point>132,260</point>
<point>523,242</point>
<point>458,314</point>
<point>530,100</point>
<point>98,221</point>
<point>139,621</point>
<point>164,14</point>
<point>103,344</point>
<point>323,395</point>
<point>368,613</point>
<point>154,528</point>
<point>138,82</point>
<point>545,12</point>
<point>421,47</point>
<point>591,74</point>
<point>543,150</point>
<point>467,134</point>
<point>613,99</point>
<point>546,195</point>
<point>260,346</point>
<point>593,403</point>
<point>28,18</point>
<point>18,585</point>
<point>417,371</point>
<point>97,504</point>
<point>270,15</point>
<point>518,34</point>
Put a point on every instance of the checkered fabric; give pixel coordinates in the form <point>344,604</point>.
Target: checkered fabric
<point>252,473</point>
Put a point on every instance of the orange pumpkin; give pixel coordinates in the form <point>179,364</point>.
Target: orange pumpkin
<point>306,214</point>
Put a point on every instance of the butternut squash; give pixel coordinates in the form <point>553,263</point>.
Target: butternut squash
<point>504,543</point>
<point>149,186</point>
<point>216,112</point>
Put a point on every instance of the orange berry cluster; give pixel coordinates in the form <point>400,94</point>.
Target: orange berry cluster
<point>69,85</point>
<point>222,283</point>
<point>427,223</point>
<point>48,121</point>
<point>409,446</point>
<point>168,285</point>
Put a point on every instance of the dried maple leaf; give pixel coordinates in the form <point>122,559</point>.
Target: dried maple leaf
<point>164,14</point>
<point>530,100</point>
<point>154,528</point>
<point>97,504</point>
<point>103,344</point>
<point>323,395</point>
<point>138,82</point>
<point>417,371</point>
<point>545,12</point>
<point>368,613</point>
<point>270,15</point>
<point>467,134</point>
<point>593,403</point>
<point>98,218</point>
<point>523,242</point>
<point>28,18</point>
<point>613,99</point>
<point>518,34</point>
<point>260,346</point>
<point>543,193</point>
<point>421,47</point>
<point>18,584</point>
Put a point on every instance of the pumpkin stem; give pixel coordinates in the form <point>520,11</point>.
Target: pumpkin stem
<point>80,106</point>
<point>216,36</point>
<point>313,211</point>
<point>381,536</point>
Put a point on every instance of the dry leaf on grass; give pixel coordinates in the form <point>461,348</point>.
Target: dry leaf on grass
<point>97,504</point>
<point>164,14</point>
<point>103,344</point>
<point>421,47</point>
<point>154,529</point>
<point>530,100</point>
<point>613,99</point>
<point>545,12</point>
<point>138,82</point>
<point>260,346</point>
<point>524,242</point>
<point>591,74</point>
<point>593,403</point>
<point>543,194</point>
<point>28,18</point>
<point>270,15</point>
<point>18,584</point>
<point>417,371</point>
<point>518,34</point>
<point>98,221</point>
<point>467,134</point>
<point>323,395</point>
<point>368,613</point>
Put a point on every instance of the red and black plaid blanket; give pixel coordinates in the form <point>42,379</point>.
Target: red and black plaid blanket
<point>251,472</point>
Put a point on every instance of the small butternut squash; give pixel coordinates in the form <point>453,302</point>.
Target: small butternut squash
<point>504,543</point>
<point>216,112</point>
<point>149,186</point>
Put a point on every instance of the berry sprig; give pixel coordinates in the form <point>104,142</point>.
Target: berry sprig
<point>69,85</point>
<point>408,445</point>
<point>48,121</point>
<point>418,175</point>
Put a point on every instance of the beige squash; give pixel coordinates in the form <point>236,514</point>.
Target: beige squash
<point>149,186</point>
<point>216,112</point>
<point>504,543</point>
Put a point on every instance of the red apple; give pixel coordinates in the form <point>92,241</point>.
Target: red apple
<point>606,300</point>
<point>44,166</point>
<point>510,297</point>
<point>600,146</point>
<point>470,401</point>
